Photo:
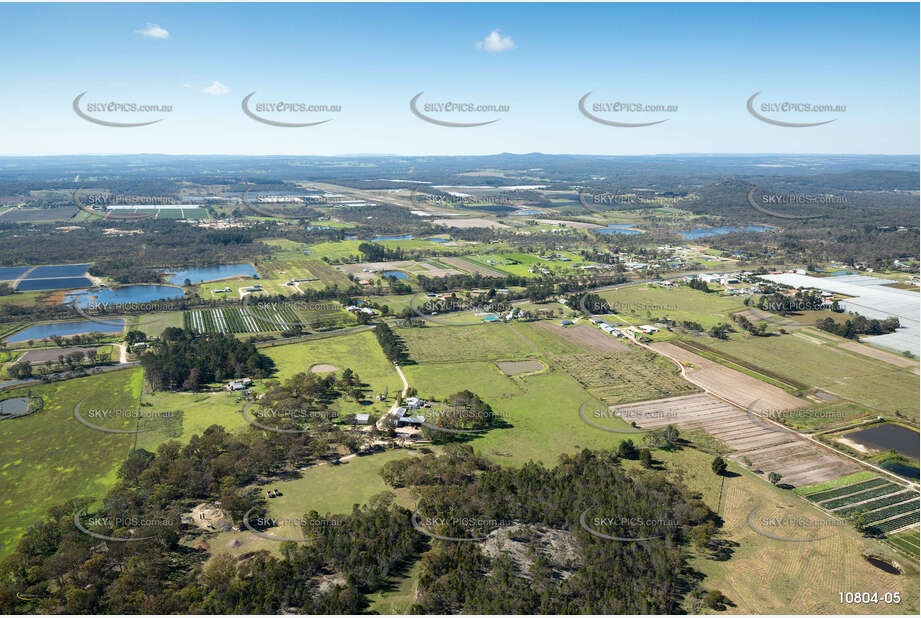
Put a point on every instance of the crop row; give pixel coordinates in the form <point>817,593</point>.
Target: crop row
<point>844,491</point>
<point>892,511</point>
<point>241,319</point>
<point>837,503</point>
<point>898,522</point>
<point>879,503</point>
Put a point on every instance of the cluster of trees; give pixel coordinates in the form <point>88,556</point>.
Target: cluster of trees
<point>720,331</point>
<point>859,325</point>
<point>699,284</point>
<point>181,360</point>
<point>373,252</point>
<point>758,330</point>
<point>58,569</point>
<point>802,300</point>
<point>305,398</point>
<point>608,578</point>
<point>393,347</point>
<point>460,411</point>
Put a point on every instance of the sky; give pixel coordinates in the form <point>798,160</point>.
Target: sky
<point>700,62</point>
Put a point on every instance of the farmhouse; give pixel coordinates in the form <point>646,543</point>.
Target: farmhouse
<point>362,419</point>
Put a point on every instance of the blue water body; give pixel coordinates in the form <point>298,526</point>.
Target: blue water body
<point>351,237</point>
<point>393,237</point>
<point>125,294</point>
<point>61,283</point>
<point>59,270</point>
<point>8,273</point>
<point>42,331</point>
<point>888,436</point>
<point>213,273</point>
<point>716,231</point>
<point>522,213</point>
<point>842,273</point>
<point>17,406</point>
<point>395,274</point>
<point>436,239</point>
<point>617,229</point>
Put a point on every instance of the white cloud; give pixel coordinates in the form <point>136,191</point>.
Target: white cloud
<point>154,31</point>
<point>495,42</point>
<point>216,89</point>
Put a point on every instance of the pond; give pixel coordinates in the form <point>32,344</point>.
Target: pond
<point>43,331</point>
<point>58,270</point>
<point>716,231</point>
<point>524,213</point>
<point>437,239</point>
<point>618,229</point>
<point>56,283</point>
<point>394,237</point>
<point>124,294</point>
<point>396,274</point>
<point>17,406</point>
<point>888,436</point>
<point>212,273</point>
<point>8,273</point>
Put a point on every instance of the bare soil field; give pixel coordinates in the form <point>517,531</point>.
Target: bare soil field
<point>514,368</point>
<point>585,336</point>
<point>409,266</point>
<point>469,223</point>
<point>44,356</point>
<point>886,357</point>
<point>580,225</point>
<point>733,385</point>
<point>468,266</point>
<point>323,368</point>
<point>752,439</point>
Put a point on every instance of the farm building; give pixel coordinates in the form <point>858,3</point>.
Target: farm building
<point>362,419</point>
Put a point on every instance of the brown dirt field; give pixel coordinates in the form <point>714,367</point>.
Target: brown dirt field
<point>886,357</point>
<point>769,448</point>
<point>44,356</point>
<point>407,266</point>
<point>585,336</point>
<point>321,368</point>
<point>467,266</point>
<point>514,368</point>
<point>733,385</point>
<point>469,223</point>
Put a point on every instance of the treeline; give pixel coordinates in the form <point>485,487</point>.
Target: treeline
<point>57,569</point>
<point>464,496</point>
<point>393,347</point>
<point>373,252</point>
<point>181,360</point>
<point>859,325</point>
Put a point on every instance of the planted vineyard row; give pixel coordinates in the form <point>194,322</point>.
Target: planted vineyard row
<point>845,491</point>
<point>241,319</point>
<point>878,504</point>
<point>898,522</point>
<point>892,511</point>
<point>864,495</point>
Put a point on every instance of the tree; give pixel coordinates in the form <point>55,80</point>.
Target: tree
<point>646,457</point>
<point>627,450</point>
<point>718,465</point>
<point>774,477</point>
<point>135,336</point>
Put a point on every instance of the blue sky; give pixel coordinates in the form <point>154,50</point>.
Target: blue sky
<point>371,59</point>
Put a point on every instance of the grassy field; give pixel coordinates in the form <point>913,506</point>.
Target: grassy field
<point>359,352</point>
<point>195,412</point>
<point>867,381</point>
<point>49,457</point>
<point>155,323</point>
<point>640,303</point>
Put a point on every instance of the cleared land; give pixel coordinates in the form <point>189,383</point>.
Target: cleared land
<point>767,447</point>
<point>586,337</point>
<point>735,386</point>
<point>49,457</point>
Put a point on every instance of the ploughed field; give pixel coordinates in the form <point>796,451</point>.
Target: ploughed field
<point>767,447</point>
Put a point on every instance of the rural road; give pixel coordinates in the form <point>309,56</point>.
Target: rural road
<point>394,407</point>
